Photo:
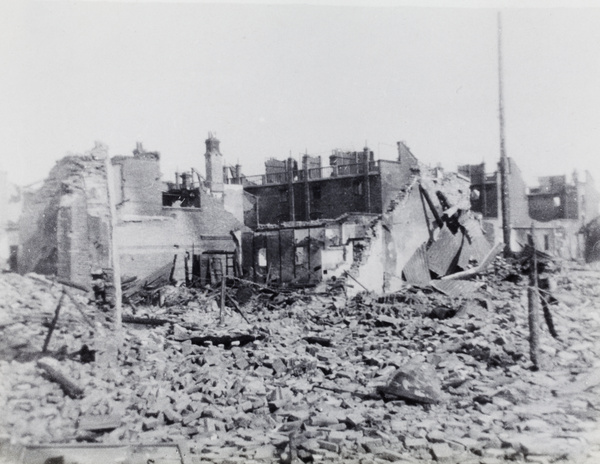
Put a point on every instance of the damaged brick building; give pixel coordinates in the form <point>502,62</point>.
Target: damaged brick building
<point>358,217</point>
<point>353,182</point>
<point>64,227</point>
<point>557,208</point>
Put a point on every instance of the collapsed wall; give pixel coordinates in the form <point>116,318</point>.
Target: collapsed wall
<point>404,228</point>
<point>63,230</point>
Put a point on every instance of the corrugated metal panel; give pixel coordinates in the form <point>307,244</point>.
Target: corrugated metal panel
<point>416,270</point>
<point>478,249</point>
<point>443,252</point>
<point>456,288</point>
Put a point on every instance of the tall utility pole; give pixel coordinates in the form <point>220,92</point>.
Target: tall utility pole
<point>113,246</point>
<point>503,158</point>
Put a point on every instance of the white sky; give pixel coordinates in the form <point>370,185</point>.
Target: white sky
<point>273,79</point>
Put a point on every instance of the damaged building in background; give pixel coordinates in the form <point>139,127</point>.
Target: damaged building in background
<point>64,226</point>
<point>374,224</point>
<point>486,198</point>
<point>557,209</point>
<point>370,222</point>
<point>565,212</point>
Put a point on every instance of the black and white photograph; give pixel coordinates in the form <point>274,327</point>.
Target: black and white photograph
<point>288,232</point>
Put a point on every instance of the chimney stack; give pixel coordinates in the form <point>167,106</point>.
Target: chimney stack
<point>214,164</point>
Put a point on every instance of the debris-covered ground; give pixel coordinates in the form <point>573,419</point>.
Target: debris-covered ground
<point>414,376</point>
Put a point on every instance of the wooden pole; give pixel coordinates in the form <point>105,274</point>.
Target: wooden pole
<point>534,303</point>
<point>503,158</point>
<point>306,189</point>
<point>54,321</point>
<point>113,247</point>
<point>427,221</point>
<point>222,300</point>
<point>349,275</point>
<point>367,183</point>
<point>186,258</point>
<point>237,307</point>
<point>291,198</point>
<point>436,215</point>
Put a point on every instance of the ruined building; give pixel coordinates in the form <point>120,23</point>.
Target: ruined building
<point>556,198</point>
<point>486,198</point>
<point>556,208</point>
<point>370,223</point>
<point>64,227</point>
<point>353,182</point>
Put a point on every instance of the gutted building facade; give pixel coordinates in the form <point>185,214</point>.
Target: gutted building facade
<point>557,198</point>
<point>65,225</point>
<point>364,236</point>
<point>352,182</point>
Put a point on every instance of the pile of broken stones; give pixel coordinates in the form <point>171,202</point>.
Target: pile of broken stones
<point>414,376</point>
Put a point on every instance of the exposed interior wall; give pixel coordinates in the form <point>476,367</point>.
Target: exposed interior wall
<point>591,200</point>
<point>138,184</point>
<point>394,179</point>
<point>519,206</point>
<point>233,200</point>
<point>404,230</point>
<point>148,242</point>
<point>369,271</point>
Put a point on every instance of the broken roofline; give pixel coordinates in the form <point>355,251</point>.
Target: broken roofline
<point>364,164</point>
<point>310,174</point>
<point>317,222</point>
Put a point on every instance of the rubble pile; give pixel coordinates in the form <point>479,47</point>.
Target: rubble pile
<point>413,376</point>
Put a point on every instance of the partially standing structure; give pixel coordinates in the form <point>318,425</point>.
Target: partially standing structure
<point>64,225</point>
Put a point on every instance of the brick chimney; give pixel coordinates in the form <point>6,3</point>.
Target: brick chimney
<point>214,164</point>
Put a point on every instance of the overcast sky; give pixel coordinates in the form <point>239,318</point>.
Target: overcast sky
<point>271,80</point>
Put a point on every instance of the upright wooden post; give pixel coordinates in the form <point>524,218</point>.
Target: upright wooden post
<point>367,183</point>
<point>222,306</point>
<point>186,259</point>
<point>113,247</point>
<point>504,187</point>
<point>290,181</point>
<point>306,188</point>
<point>534,303</point>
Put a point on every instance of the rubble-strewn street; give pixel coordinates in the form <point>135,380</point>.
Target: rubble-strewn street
<point>413,376</point>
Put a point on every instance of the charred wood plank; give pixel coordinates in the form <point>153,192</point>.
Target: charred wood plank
<point>145,320</point>
<point>55,375</point>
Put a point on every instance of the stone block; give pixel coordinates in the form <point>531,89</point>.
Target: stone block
<point>329,446</point>
<point>441,452</point>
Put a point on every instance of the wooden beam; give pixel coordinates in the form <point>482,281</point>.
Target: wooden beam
<point>54,321</point>
<point>69,386</point>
